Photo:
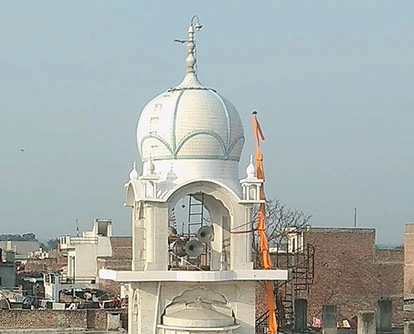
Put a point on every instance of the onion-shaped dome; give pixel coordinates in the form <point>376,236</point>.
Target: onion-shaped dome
<point>190,121</point>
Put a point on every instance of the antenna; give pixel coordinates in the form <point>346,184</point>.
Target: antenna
<point>77,227</point>
<point>355,217</point>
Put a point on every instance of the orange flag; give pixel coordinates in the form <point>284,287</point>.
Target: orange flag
<point>261,226</point>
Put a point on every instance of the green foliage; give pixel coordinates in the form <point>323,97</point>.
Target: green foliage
<point>18,237</point>
<point>50,244</point>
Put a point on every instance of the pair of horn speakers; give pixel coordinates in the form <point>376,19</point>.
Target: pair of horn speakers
<point>195,247</point>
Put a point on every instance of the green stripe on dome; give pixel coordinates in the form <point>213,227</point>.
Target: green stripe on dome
<point>226,114</point>
<point>192,157</point>
<point>160,139</point>
<point>233,144</point>
<point>201,132</point>
<point>173,136</point>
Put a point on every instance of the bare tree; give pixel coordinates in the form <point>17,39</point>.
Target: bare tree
<point>280,223</point>
<point>281,220</point>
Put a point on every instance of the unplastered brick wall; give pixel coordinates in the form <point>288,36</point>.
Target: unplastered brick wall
<point>351,274</point>
<point>390,255</point>
<point>59,319</point>
<point>121,247</point>
<point>43,319</point>
<point>40,265</point>
<point>112,287</point>
<point>114,264</point>
<point>121,259</point>
<point>260,299</point>
<point>409,260</point>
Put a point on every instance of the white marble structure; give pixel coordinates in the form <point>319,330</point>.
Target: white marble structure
<point>200,278</point>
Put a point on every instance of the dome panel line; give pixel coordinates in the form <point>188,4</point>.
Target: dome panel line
<point>174,119</point>
<point>156,137</point>
<point>226,112</point>
<point>201,132</point>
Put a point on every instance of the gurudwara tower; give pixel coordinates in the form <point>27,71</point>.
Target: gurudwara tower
<point>192,272</point>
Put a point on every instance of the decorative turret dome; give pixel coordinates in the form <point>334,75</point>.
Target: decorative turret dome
<point>191,126</point>
<point>133,175</point>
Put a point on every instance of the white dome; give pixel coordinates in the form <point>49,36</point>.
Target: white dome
<point>190,122</point>
<point>192,130</point>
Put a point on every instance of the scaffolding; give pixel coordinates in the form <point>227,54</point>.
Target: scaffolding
<point>299,260</point>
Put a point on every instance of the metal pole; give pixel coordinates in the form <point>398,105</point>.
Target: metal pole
<point>292,286</point>
<point>355,218</point>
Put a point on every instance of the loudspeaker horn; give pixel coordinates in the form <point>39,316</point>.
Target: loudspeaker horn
<point>205,234</point>
<point>179,247</point>
<point>194,248</point>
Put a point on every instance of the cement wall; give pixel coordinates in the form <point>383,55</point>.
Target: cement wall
<point>7,275</point>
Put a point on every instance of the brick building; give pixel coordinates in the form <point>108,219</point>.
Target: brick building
<point>350,272</point>
<point>121,259</point>
<point>345,268</point>
<point>409,261</point>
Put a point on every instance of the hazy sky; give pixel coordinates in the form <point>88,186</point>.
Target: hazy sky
<point>332,82</point>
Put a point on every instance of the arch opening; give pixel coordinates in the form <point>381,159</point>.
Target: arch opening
<point>198,233</point>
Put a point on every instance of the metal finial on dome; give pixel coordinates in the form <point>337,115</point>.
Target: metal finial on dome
<point>190,79</point>
<point>191,46</point>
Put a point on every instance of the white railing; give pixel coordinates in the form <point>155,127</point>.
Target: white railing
<point>76,280</point>
<point>69,241</point>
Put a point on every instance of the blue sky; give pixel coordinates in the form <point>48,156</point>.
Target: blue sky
<point>332,82</point>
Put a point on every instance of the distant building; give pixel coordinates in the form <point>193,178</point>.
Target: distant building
<point>7,272</point>
<point>82,251</point>
<point>22,249</point>
<point>85,255</point>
